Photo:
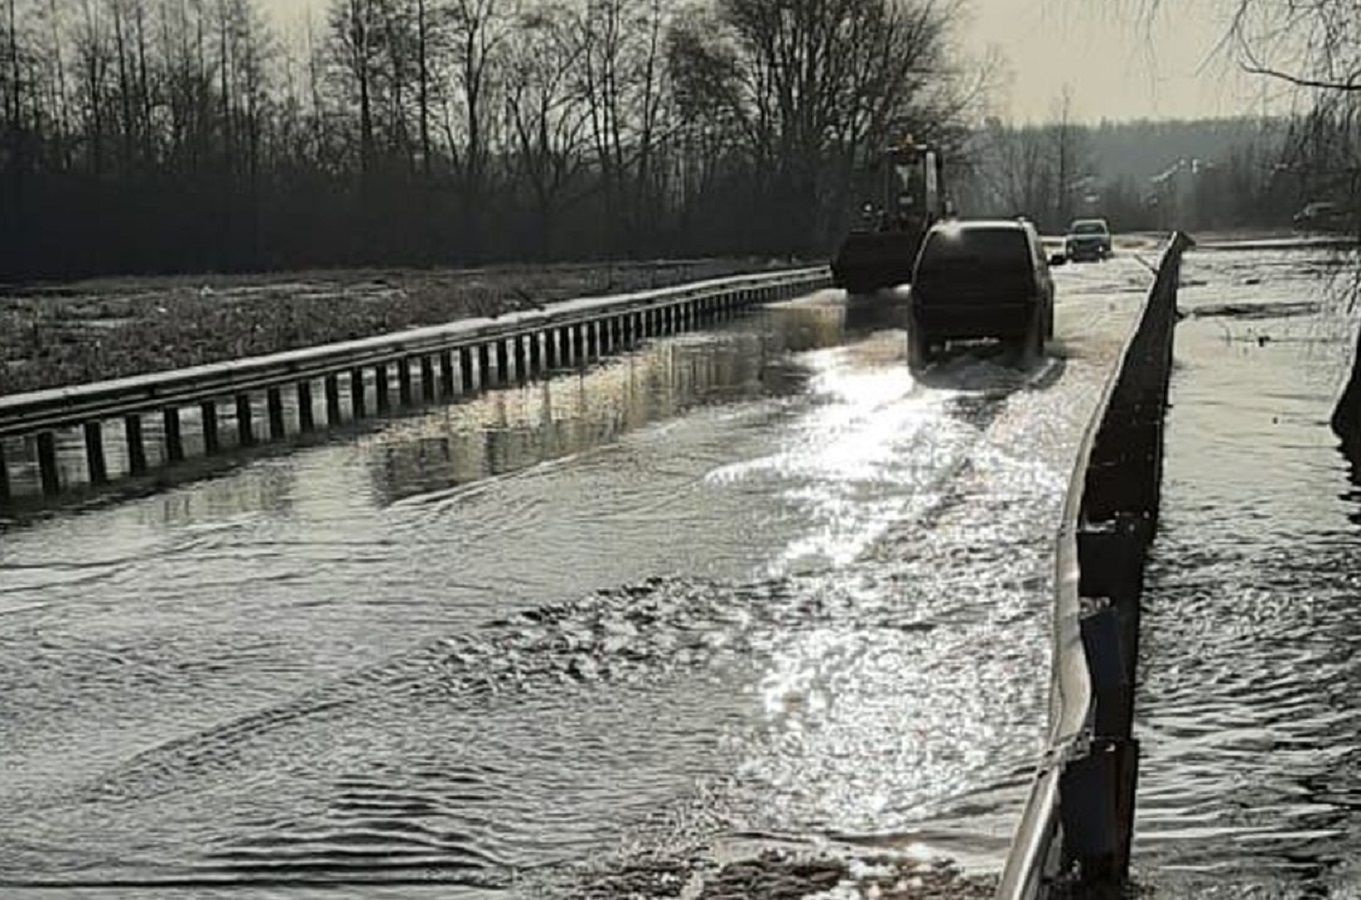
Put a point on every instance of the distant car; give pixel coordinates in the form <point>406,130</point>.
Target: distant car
<point>980,278</point>
<point>1087,239</point>
<point>1320,216</point>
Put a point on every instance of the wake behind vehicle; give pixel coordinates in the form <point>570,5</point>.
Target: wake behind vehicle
<point>984,278</point>
<point>1088,239</point>
<point>907,199</point>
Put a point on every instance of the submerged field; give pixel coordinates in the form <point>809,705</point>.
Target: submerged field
<point>57,335</point>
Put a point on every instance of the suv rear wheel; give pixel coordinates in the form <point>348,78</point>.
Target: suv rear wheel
<point>1036,335</point>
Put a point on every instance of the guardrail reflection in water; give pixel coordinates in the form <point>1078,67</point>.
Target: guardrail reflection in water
<point>305,391</point>
<point>1075,831</point>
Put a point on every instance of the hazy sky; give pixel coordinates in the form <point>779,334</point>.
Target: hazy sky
<point>1115,64</point>
<point>1114,67</point>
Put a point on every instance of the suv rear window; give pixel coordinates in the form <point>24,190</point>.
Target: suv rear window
<point>977,246</point>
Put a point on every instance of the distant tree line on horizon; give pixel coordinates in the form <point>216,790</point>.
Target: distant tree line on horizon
<point>189,135</point>
<point>1157,175</point>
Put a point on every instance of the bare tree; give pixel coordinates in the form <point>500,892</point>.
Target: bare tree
<point>1016,168</point>
<point>355,24</point>
<point>818,87</point>
<point>548,121</point>
<point>146,134</point>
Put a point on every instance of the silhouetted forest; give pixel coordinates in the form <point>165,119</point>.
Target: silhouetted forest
<point>174,135</point>
<point>1193,174</point>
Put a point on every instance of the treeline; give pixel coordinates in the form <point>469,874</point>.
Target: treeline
<point>173,135</point>
<point>1240,173</point>
<point>1143,148</point>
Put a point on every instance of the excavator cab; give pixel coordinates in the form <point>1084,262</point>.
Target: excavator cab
<point>906,200</point>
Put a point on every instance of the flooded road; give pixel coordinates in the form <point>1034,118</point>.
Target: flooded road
<point>750,587</point>
<point>1251,655</point>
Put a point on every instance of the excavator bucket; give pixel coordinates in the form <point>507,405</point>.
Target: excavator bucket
<point>870,260</point>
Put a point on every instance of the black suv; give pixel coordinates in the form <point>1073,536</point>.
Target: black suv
<point>985,278</point>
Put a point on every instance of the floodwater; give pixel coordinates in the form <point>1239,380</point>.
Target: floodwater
<point>1248,711</point>
<point>748,587</point>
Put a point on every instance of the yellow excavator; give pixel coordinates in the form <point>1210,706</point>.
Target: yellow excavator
<point>882,246</point>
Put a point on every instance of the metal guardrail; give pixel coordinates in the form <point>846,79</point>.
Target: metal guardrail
<point>60,407</point>
<point>1077,822</point>
<point>647,312</point>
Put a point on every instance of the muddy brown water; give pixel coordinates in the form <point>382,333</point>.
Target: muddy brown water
<point>744,589</point>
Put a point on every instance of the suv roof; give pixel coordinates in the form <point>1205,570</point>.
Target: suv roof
<point>1018,224</point>
<point>993,244</point>
<point>964,227</point>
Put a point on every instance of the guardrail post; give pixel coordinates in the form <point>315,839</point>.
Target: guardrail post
<point>382,399</point>
<point>551,349</point>
<point>521,367</point>
<point>47,464</point>
<point>245,428</point>
<point>1096,810</point>
<point>535,352</point>
<point>483,366</point>
<point>446,373</point>
<point>174,440</point>
<point>307,422</point>
<point>208,413</point>
<point>331,384</point>
<point>94,452</point>
<point>132,430</point>
<point>592,341</point>
<point>577,345</point>
<point>427,378</point>
<point>404,382</point>
<point>465,369</point>
<point>357,401</point>
<point>274,406</point>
